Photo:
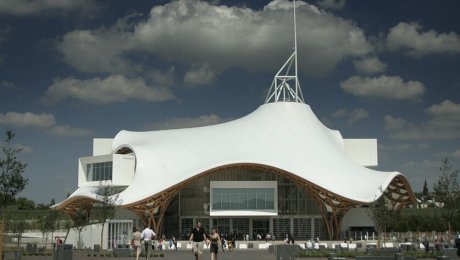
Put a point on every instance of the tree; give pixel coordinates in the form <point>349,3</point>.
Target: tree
<point>447,191</point>
<point>425,192</point>
<point>106,207</point>
<point>17,226</point>
<point>48,223</point>
<point>382,214</point>
<point>11,180</point>
<point>24,203</point>
<point>80,219</point>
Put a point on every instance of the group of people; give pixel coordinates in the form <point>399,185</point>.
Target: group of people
<point>197,239</point>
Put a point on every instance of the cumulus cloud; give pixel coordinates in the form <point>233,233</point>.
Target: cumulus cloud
<point>199,74</point>
<point>369,65</point>
<point>163,78</point>
<point>44,121</point>
<point>351,116</point>
<point>332,4</point>
<point>388,87</point>
<point>27,119</point>
<point>25,148</point>
<point>65,130</point>
<point>197,32</point>
<point>7,84</point>
<point>410,38</point>
<point>186,122</point>
<point>114,88</point>
<point>456,154</point>
<point>443,123</point>
<point>97,51</point>
<point>27,7</point>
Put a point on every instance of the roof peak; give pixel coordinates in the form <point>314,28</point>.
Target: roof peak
<point>280,89</point>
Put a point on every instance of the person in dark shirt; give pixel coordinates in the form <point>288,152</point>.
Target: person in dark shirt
<point>197,236</point>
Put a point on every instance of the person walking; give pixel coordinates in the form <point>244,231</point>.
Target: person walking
<point>215,241</point>
<point>197,236</point>
<point>147,236</point>
<point>136,242</point>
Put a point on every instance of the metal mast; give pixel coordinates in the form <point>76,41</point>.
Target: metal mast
<point>280,90</point>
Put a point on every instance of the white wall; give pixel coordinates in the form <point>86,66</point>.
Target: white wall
<point>91,235</point>
<point>122,169</point>
<point>362,151</point>
<point>102,146</point>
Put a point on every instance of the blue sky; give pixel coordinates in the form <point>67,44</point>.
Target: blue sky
<point>74,70</point>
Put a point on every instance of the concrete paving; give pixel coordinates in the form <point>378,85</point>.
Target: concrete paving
<point>176,255</point>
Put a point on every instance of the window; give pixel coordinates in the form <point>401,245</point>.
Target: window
<point>101,171</point>
<point>243,199</point>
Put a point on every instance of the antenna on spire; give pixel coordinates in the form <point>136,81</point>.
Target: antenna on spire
<point>280,90</point>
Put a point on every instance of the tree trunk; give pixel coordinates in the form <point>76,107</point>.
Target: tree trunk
<point>102,237</point>
<point>1,237</point>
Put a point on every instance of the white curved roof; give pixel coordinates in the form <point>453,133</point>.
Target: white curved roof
<point>284,135</point>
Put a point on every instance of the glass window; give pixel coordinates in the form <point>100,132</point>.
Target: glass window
<point>243,198</point>
<point>101,171</point>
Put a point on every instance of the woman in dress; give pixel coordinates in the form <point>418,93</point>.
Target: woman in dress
<point>215,241</point>
<point>136,242</point>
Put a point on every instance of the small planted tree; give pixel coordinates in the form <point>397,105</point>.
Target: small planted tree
<point>17,226</point>
<point>382,214</point>
<point>11,180</point>
<point>447,191</point>
<point>80,219</point>
<point>106,207</point>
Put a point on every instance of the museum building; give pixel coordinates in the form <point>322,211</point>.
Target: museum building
<point>278,170</point>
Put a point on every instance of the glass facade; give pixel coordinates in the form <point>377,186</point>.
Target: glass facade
<point>100,171</point>
<point>243,199</point>
<point>297,213</point>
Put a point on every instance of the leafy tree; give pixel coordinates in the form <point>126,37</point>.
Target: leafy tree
<point>425,192</point>
<point>24,203</point>
<point>11,180</point>
<point>48,223</point>
<point>80,219</point>
<point>106,207</point>
<point>17,226</point>
<point>447,191</point>
<point>382,214</point>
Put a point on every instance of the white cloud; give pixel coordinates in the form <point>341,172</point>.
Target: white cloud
<point>410,38</point>
<point>351,116</point>
<point>193,32</point>
<point>27,7</point>
<point>44,121</point>
<point>446,114</point>
<point>27,119</point>
<point>7,85</point>
<point>394,123</point>
<point>419,171</point>
<point>163,78</point>
<point>181,122</point>
<point>65,130</point>
<point>370,65</point>
<point>394,147</point>
<point>114,88</point>
<point>456,154</point>
<point>443,124</point>
<point>332,4</point>
<point>24,148</point>
<point>199,74</point>
<point>389,87</point>
<point>97,51</point>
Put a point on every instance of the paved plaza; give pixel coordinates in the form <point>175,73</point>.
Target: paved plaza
<point>176,255</point>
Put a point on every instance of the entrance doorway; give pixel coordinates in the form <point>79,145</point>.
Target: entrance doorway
<point>260,228</point>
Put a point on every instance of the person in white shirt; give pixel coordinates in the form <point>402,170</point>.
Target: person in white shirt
<point>147,236</point>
